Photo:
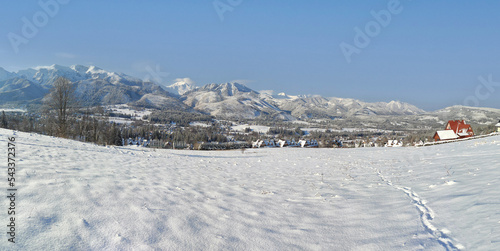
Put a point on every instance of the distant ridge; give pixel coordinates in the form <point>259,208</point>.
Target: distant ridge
<point>227,100</point>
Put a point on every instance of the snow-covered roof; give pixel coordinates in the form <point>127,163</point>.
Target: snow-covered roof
<point>446,134</point>
<point>498,124</point>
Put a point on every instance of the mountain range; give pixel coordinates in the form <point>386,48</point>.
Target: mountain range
<point>226,100</point>
<point>93,84</point>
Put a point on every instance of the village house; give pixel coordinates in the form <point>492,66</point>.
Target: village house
<point>455,129</point>
<point>460,128</point>
<point>445,135</point>
<point>498,126</point>
<point>394,143</point>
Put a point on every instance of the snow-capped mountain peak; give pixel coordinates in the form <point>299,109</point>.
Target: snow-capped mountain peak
<point>284,95</point>
<point>228,89</point>
<point>98,73</point>
<point>54,67</point>
<point>96,70</point>
<point>181,86</point>
<point>46,75</point>
<point>80,69</point>
<point>281,95</point>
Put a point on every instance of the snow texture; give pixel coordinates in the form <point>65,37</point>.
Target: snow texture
<point>79,196</point>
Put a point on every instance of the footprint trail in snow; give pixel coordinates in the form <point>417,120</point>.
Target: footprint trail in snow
<point>426,216</point>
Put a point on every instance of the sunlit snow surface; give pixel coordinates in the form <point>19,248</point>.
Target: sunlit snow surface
<point>77,196</point>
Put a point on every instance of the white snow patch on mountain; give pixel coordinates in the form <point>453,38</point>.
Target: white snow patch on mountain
<point>281,95</point>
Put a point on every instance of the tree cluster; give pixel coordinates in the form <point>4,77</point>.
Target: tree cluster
<point>284,132</point>
<point>181,118</point>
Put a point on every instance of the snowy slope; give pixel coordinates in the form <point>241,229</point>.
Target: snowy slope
<point>19,90</point>
<point>480,115</point>
<point>77,196</point>
<point>229,100</point>
<point>316,106</point>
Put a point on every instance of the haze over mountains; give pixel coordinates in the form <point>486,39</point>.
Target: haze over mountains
<point>230,100</point>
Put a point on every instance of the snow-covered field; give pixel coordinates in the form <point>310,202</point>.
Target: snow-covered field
<point>255,128</point>
<point>127,110</point>
<point>200,124</point>
<point>77,196</point>
<point>12,110</point>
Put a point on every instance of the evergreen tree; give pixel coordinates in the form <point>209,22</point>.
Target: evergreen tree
<point>4,123</point>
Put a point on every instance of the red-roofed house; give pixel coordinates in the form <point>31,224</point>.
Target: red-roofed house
<point>461,129</point>
<point>455,129</point>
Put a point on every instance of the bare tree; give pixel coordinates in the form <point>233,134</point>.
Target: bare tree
<point>62,100</point>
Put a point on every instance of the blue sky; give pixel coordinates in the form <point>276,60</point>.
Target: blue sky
<point>430,54</point>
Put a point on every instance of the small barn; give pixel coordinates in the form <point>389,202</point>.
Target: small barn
<point>460,128</point>
<point>445,135</point>
<point>498,126</point>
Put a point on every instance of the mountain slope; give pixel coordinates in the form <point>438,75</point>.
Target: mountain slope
<point>19,90</point>
<point>479,115</point>
<point>95,85</point>
<point>238,101</point>
<point>230,100</point>
<point>5,75</point>
<point>315,106</point>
